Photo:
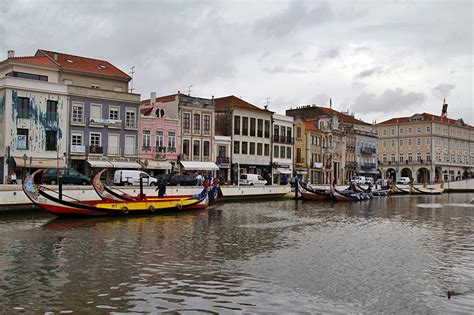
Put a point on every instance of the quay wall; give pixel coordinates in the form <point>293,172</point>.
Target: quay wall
<point>12,196</point>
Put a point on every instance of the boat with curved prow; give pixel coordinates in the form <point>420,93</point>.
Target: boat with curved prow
<point>310,193</point>
<point>55,204</point>
<point>348,195</point>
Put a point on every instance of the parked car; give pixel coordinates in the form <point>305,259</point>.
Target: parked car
<point>369,180</point>
<point>252,180</point>
<point>181,180</point>
<point>132,177</point>
<point>69,176</point>
<point>403,180</point>
<point>360,180</point>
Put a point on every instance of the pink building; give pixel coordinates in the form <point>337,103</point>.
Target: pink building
<point>158,134</point>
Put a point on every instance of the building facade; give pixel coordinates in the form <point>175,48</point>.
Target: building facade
<point>426,148</point>
<point>250,130</point>
<point>33,116</point>
<point>158,134</point>
<point>102,115</point>
<point>314,151</point>
<point>282,157</point>
<point>223,149</point>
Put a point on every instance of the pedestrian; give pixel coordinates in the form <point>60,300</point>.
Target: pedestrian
<point>13,178</point>
<point>199,179</point>
<point>161,189</point>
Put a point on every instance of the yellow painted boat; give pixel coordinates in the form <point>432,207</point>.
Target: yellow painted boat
<point>150,206</point>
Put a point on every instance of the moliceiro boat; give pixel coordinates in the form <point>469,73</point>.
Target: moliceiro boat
<point>107,193</point>
<point>53,202</point>
<point>375,193</point>
<point>310,193</point>
<point>348,194</point>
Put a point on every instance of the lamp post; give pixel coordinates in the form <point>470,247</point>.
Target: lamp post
<point>25,157</point>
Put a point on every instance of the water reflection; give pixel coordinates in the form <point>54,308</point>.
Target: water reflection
<point>398,254</point>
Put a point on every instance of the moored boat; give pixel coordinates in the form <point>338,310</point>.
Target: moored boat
<point>310,193</point>
<point>53,202</point>
<point>348,195</point>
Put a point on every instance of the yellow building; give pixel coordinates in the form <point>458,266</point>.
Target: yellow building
<point>299,156</point>
<point>425,147</point>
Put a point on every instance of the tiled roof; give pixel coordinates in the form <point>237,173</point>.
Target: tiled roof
<point>162,99</point>
<point>312,111</point>
<point>426,117</point>
<point>233,101</point>
<point>84,64</point>
<point>343,117</point>
<point>311,124</point>
<point>41,61</point>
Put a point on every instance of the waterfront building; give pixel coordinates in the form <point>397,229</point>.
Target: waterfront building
<point>223,149</point>
<point>103,114</point>
<point>426,147</point>
<point>158,134</point>
<point>33,116</point>
<point>337,150</point>
<point>282,157</point>
<point>314,151</point>
<point>300,155</point>
<point>250,129</point>
<point>196,132</point>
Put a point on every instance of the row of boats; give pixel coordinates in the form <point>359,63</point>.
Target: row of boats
<point>356,192</point>
<point>113,201</point>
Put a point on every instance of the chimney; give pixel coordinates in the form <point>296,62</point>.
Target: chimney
<point>330,103</point>
<point>55,57</point>
<point>444,110</point>
<point>152,98</point>
<point>11,54</point>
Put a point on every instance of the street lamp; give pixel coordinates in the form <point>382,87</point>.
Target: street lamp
<point>25,157</point>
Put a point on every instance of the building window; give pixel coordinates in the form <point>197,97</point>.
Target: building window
<point>206,149</point>
<point>252,148</point>
<point>282,152</point>
<point>114,113</point>
<point>146,136</point>
<point>418,141</point>
<point>288,152</point>
<point>259,149</point>
<point>130,119</point>
<point>186,147</point>
<point>22,140</point>
<point>385,143</point>
<point>401,142</point>
<point>393,142</point>
<point>186,121</point>
<point>267,149</point>
<point>244,147</point>
<point>401,158</point>
<point>159,141</point>
<point>418,129</point>
<point>418,157</point>
<point>298,155</point>
<point>428,141</point>
<point>288,135</point>
<point>409,142</point>
<point>385,132</point>
<point>245,126</point>
<point>267,128</point>
<point>393,131</point>
<point>23,105</point>
<point>130,145</point>
<point>428,129</point>
<point>96,111</point>
<point>276,152</point>
<point>401,131</point>
<point>260,128</point>
<point>221,151</point>
<point>392,158</point>
<point>172,140</point>
<point>95,86</point>
<point>51,141</point>
<point>236,125</point>
<point>384,158</point>
<point>409,130</point>
<point>197,122</point>
<point>94,139</point>
<point>76,138</point>
<point>276,133</point>
<point>206,123</point>
<point>196,148</point>
<point>236,147</point>
<point>410,157</point>
<point>298,132</point>
<point>52,110</point>
<point>428,157</point>
<point>252,127</point>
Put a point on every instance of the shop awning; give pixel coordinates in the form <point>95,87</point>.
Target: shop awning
<point>103,164</point>
<point>284,170</point>
<point>125,164</point>
<point>199,166</point>
<point>301,171</point>
<point>158,165</point>
<point>40,162</point>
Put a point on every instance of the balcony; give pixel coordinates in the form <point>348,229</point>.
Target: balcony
<point>51,116</point>
<point>146,148</point>
<point>93,149</point>
<point>367,166</point>
<point>367,150</point>
<point>171,150</point>
<point>160,149</point>
<point>282,139</point>
<point>222,160</point>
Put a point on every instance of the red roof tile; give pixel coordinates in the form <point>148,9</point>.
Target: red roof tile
<point>233,101</point>
<point>311,124</point>
<point>42,61</point>
<point>426,117</point>
<point>84,64</point>
<point>162,99</point>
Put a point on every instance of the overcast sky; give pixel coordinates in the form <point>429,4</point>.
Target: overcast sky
<point>378,59</point>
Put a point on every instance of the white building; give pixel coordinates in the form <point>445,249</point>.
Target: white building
<point>283,139</point>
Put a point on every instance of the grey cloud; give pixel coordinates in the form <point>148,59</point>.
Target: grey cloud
<point>390,101</point>
<point>281,69</point>
<point>298,15</point>
<point>443,90</point>
<point>320,99</point>
<point>369,72</point>
<point>329,53</point>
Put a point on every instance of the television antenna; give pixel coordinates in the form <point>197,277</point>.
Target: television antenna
<point>131,81</point>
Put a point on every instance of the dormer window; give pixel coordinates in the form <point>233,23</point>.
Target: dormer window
<point>69,60</point>
<point>160,112</point>
<point>100,67</point>
<point>95,86</point>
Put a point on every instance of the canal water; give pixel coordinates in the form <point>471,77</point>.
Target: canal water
<point>388,255</point>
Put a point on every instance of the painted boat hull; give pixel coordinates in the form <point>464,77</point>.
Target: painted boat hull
<point>313,194</point>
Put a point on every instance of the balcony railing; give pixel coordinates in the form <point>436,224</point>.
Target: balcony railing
<point>96,149</point>
<point>367,150</point>
<point>171,150</point>
<point>282,139</point>
<point>146,148</point>
<point>367,166</point>
<point>223,160</point>
<point>160,149</point>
